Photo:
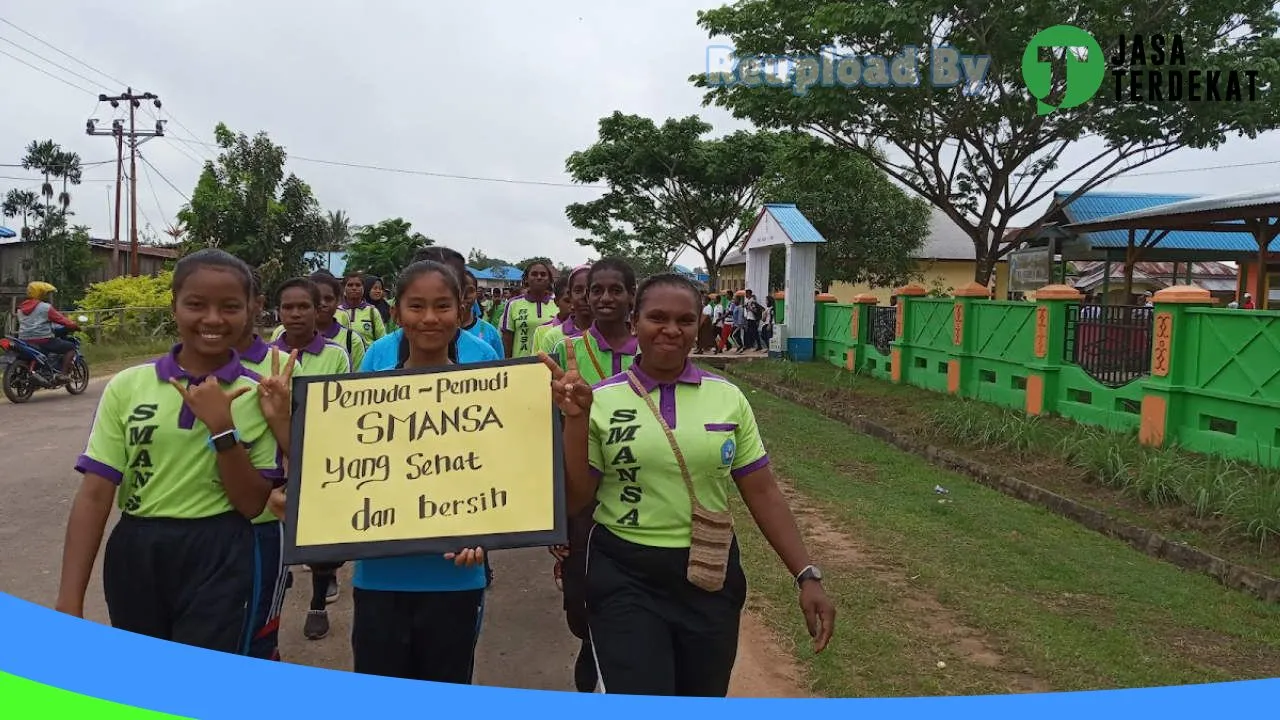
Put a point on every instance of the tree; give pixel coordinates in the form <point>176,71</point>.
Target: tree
<point>245,204</point>
<point>385,248</point>
<point>480,261</point>
<point>982,154</point>
<point>871,226</point>
<point>64,258</point>
<point>524,264</point>
<point>670,189</point>
<point>337,231</point>
<point>48,158</point>
<point>23,203</point>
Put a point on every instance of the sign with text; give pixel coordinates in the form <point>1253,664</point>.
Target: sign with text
<point>424,461</point>
<point>1030,269</point>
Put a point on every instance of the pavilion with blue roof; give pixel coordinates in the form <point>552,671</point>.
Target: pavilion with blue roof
<point>1130,227</point>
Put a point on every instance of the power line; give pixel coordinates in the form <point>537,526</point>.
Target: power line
<point>63,52</point>
<point>46,72</point>
<point>83,165</point>
<point>152,185</point>
<point>38,56</point>
<point>162,177</point>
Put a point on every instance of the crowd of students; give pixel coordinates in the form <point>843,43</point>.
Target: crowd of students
<point>192,448</point>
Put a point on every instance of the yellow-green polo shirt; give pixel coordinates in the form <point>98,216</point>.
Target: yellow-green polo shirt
<point>642,497</point>
<point>321,356</point>
<point>149,443</point>
<point>257,357</point>
<point>351,342</point>
<point>597,360</point>
<point>521,317</point>
<point>364,318</point>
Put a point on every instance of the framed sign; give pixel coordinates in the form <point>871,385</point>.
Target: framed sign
<point>1030,269</point>
<point>410,462</point>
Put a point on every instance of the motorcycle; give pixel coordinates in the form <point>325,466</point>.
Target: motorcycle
<point>27,368</point>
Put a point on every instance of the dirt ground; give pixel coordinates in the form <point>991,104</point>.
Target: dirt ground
<point>524,643</point>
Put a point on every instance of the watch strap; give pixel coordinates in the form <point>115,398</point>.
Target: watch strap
<point>224,440</point>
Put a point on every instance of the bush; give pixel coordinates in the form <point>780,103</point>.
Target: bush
<point>128,309</point>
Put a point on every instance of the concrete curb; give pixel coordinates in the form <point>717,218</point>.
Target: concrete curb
<point>1232,575</point>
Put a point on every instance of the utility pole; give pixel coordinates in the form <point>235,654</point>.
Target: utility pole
<point>119,133</point>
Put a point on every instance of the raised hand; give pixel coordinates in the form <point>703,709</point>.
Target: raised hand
<point>275,392</point>
<point>210,403</point>
<point>569,391</point>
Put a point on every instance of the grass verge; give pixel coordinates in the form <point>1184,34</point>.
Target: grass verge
<point>1222,506</point>
<point>107,358</point>
<point>1008,596</point>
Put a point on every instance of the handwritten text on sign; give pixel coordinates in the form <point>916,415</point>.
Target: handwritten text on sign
<point>449,454</point>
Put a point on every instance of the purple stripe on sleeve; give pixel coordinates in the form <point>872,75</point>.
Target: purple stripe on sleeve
<point>596,473</point>
<point>720,427</point>
<point>86,464</point>
<point>746,470</point>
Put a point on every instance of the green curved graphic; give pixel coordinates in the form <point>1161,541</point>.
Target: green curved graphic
<point>22,699</point>
<point>1084,75</point>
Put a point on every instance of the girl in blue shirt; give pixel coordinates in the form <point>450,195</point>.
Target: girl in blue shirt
<point>418,617</point>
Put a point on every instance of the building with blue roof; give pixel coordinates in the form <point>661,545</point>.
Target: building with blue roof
<point>1171,245</point>
<point>498,276</point>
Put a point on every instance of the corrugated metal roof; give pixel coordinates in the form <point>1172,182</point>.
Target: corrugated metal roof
<point>946,240</point>
<point>1094,206</point>
<point>498,272</point>
<point>794,223</point>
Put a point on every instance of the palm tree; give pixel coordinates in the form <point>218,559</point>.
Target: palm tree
<point>48,158</point>
<point>21,202</point>
<point>337,231</point>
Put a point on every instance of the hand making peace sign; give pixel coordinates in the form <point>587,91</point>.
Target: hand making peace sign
<point>210,403</point>
<point>276,391</point>
<point>569,391</point>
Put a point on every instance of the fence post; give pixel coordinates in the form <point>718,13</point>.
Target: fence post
<point>1050,343</point>
<point>1170,360</point>
<point>859,326</point>
<point>897,356</point>
<point>960,380</point>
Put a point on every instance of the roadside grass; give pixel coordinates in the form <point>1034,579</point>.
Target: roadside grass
<point>1222,506</point>
<point>1009,596</point>
<point>107,358</point>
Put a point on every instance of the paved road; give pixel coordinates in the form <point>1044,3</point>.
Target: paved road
<point>524,643</point>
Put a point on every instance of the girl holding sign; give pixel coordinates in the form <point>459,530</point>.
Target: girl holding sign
<point>183,446</point>
<point>418,617</point>
<point>656,447</point>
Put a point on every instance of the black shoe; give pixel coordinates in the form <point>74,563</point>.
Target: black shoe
<point>331,595</point>
<point>317,625</point>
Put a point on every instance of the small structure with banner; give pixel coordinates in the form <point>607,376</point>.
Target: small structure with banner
<point>1030,268</point>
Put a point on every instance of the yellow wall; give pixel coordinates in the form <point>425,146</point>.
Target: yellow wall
<point>733,277</point>
<point>945,275</point>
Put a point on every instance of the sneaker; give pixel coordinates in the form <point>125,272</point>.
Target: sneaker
<point>317,625</point>
<point>331,595</point>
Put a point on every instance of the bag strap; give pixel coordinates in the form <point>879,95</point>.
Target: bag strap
<point>591,355</point>
<point>671,437</point>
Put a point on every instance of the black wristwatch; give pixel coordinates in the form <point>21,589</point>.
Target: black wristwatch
<point>809,573</point>
<point>224,441</point>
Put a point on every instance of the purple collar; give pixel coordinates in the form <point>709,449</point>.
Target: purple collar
<point>256,352</point>
<point>314,347</point>
<point>361,306</point>
<point>569,327</point>
<point>167,368</point>
<point>332,331</point>
<point>628,348</point>
<point>691,375</point>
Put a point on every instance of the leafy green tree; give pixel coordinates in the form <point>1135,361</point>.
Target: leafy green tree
<point>480,261</point>
<point>337,231</point>
<point>671,188</point>
<point>64,258</point>
<point>872,227</point>
<point>245,204</point>
<point>24,204</point>
<point>385,248</point>
<point>982,154</point>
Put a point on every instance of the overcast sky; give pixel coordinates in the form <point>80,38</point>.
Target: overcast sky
<point>486,88</point>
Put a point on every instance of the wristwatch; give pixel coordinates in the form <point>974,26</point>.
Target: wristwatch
<point>809,573</point>
<point>225,440</point>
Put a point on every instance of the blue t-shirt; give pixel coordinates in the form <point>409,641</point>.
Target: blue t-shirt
<point>384,353</point>
<point>419,573</point>
<point>487,332</point>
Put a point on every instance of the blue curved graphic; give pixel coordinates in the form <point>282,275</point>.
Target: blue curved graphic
<point>82,657</point>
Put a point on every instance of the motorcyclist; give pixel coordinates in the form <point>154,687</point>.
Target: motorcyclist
<point>37,321</point>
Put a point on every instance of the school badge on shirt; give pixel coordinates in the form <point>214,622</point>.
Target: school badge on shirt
<point>727,451</point>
